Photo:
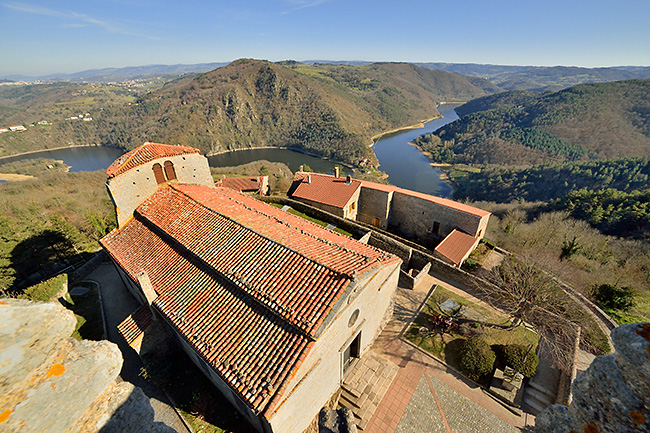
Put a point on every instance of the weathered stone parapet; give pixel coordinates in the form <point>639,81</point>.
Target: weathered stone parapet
<point>50,382</point>
<point>613,394</point>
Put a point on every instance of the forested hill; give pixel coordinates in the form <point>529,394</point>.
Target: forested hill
<point>332,110</point>
<point>589,121</point>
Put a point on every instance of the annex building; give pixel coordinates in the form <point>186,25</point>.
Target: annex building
<point>451,229</point>
<point>271,307</point>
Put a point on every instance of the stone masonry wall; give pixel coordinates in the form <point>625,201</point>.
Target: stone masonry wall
<point>414,218</point>
<point>613,394</point>
<point>321,373</point>
<point>130,189</point>
<point>374,204</point>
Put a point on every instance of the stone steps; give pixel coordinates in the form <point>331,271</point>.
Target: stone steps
<point>365,385</point>
<point>536,400</point>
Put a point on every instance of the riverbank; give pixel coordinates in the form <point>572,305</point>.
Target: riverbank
<point>377,137</point>
<point>12,177</point>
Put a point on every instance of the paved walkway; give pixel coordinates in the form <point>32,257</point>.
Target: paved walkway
<point>118,304</point>
<point>426,395</point>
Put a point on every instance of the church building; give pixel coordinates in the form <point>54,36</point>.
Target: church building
<point>271,307</point>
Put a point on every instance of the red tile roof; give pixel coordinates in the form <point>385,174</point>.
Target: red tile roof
<point>324,188</point>
<point>145,153</point>
<point>241,184</point>
<point>245,283</point>
<point>432,198</point>
<point>456,245</point>
<point>134,326</point>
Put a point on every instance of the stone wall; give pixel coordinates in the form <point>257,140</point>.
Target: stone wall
<point>373,204</point>
<point>129,189</point>
<point>52,383</point>
<point>321,373</point>
<point>414,218</point>
<point>613,394</point>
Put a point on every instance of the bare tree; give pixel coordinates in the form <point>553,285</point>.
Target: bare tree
<point>525,292</point>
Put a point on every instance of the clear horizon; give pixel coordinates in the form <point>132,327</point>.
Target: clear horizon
<point>42,38</point>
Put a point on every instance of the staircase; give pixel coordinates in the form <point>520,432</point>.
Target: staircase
<point>365,385</point>
<point>537,398</point>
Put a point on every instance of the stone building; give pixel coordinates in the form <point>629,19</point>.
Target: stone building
<point>270,306</point>
<point>336,195</point>
<point>456,228</point>
<point>246,184</point>
<point>137,174</point>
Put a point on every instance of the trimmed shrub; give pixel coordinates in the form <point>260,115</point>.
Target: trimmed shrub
<point>476,358</point>
<point>617,298</point>
<point>513,356</point>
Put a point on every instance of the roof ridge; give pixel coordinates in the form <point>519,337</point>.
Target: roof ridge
<point>281,221</point>
<point>258,294</point>
<point>245,288</point>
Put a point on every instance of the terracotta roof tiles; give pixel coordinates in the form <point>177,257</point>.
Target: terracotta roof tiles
<point>246,284</point>
<point>324,188</point>
<point>246,183</point>
<point>456,246</point>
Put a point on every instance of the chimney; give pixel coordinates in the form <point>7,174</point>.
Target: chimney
<point>348,180</point>
<point>308,179</point>
<point>300,168</point>
<point>337,171</point>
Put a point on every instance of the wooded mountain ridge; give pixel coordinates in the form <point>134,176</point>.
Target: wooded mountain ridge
<point>325,109</point>
<point>540,78</point>
<point>584,122</point>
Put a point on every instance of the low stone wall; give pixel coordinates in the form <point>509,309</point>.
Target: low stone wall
<point>80,273</point>
<point>613,394</point>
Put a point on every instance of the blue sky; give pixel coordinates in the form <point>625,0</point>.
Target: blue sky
<point>40,37</point>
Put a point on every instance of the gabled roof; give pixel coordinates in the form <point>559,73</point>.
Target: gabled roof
<point>456,246</point>
<point>432,198</point>
<point>245,283</point>
<point>324,188</point>
<point>145,153</point>
<point>246,183</point>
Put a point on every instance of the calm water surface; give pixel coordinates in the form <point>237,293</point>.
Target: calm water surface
<point>78,158</point>
<point>405,165</point>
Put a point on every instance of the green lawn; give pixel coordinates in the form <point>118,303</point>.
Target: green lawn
<point>491,325</point>
<point>87,309</point>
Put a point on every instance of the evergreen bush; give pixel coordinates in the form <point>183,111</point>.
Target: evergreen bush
<point>514,355</point>
<point>476,358</point>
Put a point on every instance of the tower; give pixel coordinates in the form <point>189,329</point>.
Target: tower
<point>136,175</point>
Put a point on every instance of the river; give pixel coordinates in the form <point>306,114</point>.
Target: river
<point>405,165</point>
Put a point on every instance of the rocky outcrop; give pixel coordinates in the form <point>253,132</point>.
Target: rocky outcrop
<point>51,383</point>
<point>613,394</point>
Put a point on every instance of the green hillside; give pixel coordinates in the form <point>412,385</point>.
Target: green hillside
<point>589,121</point>
<point>326,109</point>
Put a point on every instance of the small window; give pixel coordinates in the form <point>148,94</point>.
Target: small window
<point>375,222</point>
<point>158,172</point>
<point>436,228</point>
<point>170,173</point>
